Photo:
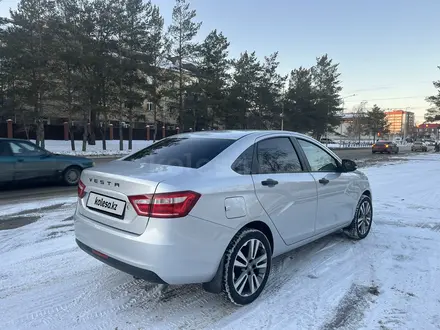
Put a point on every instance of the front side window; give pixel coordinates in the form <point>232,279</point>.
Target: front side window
<point>182,152</point>
<point>319,159</point>
<point>277,155</point>
<point>5,151</point>
<point>25,149</point>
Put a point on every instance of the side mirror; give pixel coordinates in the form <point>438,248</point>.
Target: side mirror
<point>348,165</point>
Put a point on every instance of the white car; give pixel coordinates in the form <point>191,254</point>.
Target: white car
<point>216,207</point>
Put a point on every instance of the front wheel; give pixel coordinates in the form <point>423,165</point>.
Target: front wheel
<point>363,218</point>
<point>247,267</point>
<point>72,175</point>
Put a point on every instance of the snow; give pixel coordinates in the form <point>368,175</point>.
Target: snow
<point>63,147</point>
<point>112,148</point>
<point>387,281</point>
<point>35,207</point>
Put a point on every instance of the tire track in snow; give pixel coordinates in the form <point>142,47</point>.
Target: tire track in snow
<point>349,312</point>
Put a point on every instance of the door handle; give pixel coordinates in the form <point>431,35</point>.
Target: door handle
<point>324,181</point>
<point>269,183</point>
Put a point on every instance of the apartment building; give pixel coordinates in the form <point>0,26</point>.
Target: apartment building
<point>401,122</point>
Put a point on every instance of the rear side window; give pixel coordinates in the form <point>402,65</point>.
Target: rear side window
<point>277,155</point>
<point>243,164</point>
<point>182,152</point>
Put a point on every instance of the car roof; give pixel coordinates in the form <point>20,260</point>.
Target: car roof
<point>233,134</point>
<point>13,139</point>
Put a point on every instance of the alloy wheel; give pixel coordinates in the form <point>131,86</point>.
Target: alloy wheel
<point>250,267</point>
<point>364,218</point>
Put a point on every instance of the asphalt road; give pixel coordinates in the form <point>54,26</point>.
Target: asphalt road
<point>36,192</point>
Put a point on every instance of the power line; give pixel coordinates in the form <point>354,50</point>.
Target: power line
<point>390,98</point>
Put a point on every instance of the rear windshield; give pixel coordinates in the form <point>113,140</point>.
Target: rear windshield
<point>418,143</point>
<point>382,143</point>
<point>182,152</point>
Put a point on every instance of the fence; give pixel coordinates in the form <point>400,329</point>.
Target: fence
<point>57,132</point>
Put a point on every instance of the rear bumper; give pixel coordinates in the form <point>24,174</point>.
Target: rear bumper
<point>174,251</point>
<point>126,268</point>
<point>381,149</point>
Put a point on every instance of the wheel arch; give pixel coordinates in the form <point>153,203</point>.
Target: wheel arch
<point>264,228</point>
<point>367,193</point>
<point>215,285</point>
<point>68,167</point>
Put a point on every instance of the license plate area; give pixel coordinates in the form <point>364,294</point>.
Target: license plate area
<point>107,205</point>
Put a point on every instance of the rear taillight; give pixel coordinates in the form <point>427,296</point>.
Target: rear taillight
<point>81,189</point>
<point>374,145</point>
<point>386,145</point>
<point>166,205</point>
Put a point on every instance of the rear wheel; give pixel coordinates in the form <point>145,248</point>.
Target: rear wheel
<point>72,175</point>
<point>247,266</point>
<point>363,218</point>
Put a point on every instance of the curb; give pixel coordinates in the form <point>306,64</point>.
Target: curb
<point>356,148</point>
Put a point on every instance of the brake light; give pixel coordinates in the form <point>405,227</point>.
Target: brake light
<point>374,145</point>
<point>166,205</point>
<point>81,189</point>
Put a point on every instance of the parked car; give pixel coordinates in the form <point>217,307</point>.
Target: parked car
<point>327,141</point>
<point>385,146</point>
<point>419,146</point>
<point>22,160</point>
<point>430,143</point>
<point>216,207</point>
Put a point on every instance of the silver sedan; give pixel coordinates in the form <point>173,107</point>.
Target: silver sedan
<point>217,207</point>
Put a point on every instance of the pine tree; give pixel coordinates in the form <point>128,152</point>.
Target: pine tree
<point>300,101</point>
<point>270,93</point>
<point>136,57</point>
<point>157,88</point>
<point>28,46</point>
<point>243,96</point>
<point>327,87</point>
<point>433,113</point>
<point>376,122</point>
<point>67,62</point>
<point>182,31</point>
<point>213,78</point>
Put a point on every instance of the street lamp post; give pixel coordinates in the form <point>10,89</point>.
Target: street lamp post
<point>343,108</point>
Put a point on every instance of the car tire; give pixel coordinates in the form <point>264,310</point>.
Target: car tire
<point>360,226</point>
<point>240,264</point>
<point>72,175</point>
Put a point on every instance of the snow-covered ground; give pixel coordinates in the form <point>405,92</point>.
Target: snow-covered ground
<point>112,148</point>
<point>387,281</point>
<point>63,147</point>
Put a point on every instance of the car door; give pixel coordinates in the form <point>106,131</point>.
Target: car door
<point>32,162</point>
<point>287,193</point>
<point>7,163</point>
<point>336,197</point>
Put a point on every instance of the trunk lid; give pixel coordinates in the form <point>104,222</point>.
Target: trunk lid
<point>108,187</point>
